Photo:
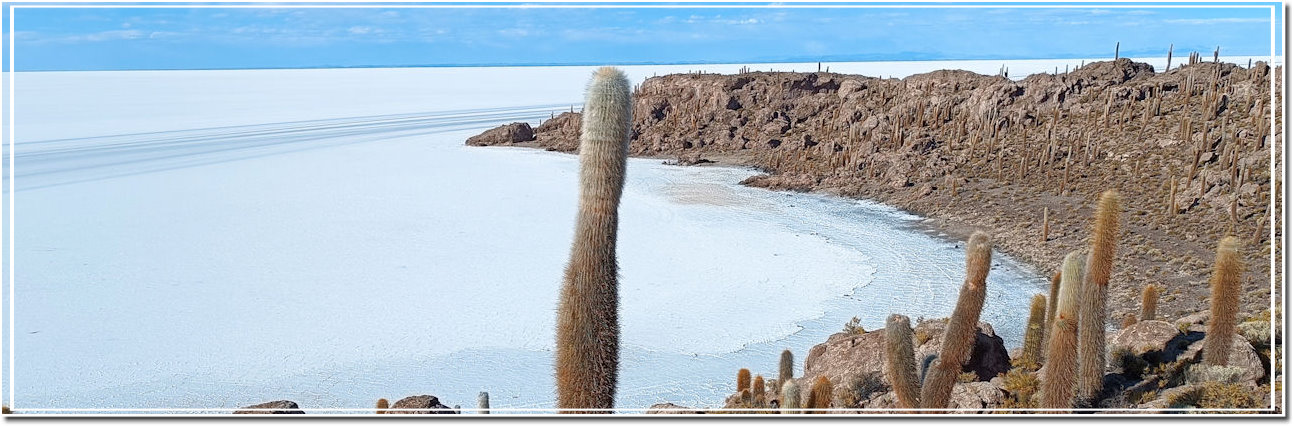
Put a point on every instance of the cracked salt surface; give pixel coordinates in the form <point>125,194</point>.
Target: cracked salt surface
<point>336,261</point>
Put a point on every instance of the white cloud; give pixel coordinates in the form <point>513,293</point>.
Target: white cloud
<point>359,30</point>
<point>1209,21</point>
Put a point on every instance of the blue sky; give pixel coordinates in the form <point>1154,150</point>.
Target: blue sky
<point>214,37</point>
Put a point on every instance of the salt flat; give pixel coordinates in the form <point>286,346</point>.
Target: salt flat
<point>212,239</point>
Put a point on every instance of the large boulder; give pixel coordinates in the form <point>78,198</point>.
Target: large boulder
<point>272,407</point>
<point>1242,355</point>
<point>420,404</point>
<point>506,134</point>
<point>1152,340</point>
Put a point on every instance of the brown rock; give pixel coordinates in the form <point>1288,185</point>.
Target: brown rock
<point>671,408</point>
<point>1153,340</point>
<point>976,397</point>
<point>507,134</point>
<point>272,407</point>
<point>420,404</point>
<point>988,359</point>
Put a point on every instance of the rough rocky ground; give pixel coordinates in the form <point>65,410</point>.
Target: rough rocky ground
<point>983,152</point>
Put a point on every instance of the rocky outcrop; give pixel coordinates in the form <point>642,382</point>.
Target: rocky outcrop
<point>507,134</point>
<point>272,407</point>
<point>420,404</point>
<point>986,152</point>
<point>561,133</point>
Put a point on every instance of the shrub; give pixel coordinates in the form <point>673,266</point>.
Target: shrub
<point>853,327</point>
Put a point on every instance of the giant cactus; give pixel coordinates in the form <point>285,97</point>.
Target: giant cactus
<point>588,329</point>
<point>1092,316</point>
<point>959,335</point>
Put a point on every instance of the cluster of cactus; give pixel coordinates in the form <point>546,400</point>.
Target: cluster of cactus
<point>754,393</point>
<point>588,330</point>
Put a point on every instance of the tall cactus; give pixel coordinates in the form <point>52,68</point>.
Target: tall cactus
<point>790,401</point>
<point>1225,284</point>
<point>785,367</point>
<point>1031,355</point>
<point>588,329</point>
<point>959,335</point>
<point>1149,302</point>
<point>1061,364</point>
<point>1092,316</point>
<point>900,362</point>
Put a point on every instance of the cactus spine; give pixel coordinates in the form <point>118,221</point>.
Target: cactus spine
<point>900,362</point>
<point>820,395</point>
<point>959,335</point>
<point>382,405</point>
<point>1149,302</point>
<point>785,367</point>
<point>1092,317</point>
<point>588,329</point>
<point>483,403</point>
<point>1223,303</point>
<point>1061,365</point>
<point>757,392</point>
<point>790,398</point>
<point>1031,356</point>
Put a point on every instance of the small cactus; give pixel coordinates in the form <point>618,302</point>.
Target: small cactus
<point>483,403</point>
<point>757,392</point>
<point>959,335</point>
<point>382,405</point>
<point>900,363</point>
<point>1149,302</point>
<point>785,369</point>
<point>1051,305</point>
<point>1129,320</point>
<point>1225,299</point>
<point>790,398</point>
<point>820,395</point>
<point>1031,356</point>
<point>1062,363</point>
<point>743,380</point>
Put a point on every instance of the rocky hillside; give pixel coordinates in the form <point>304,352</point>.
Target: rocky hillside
<point>1188,149</point>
